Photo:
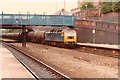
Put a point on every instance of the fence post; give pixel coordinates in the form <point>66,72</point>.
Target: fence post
<point>94,32</point>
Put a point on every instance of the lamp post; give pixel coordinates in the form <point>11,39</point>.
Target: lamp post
<point>86,10</point>
<point>56,7</point>
<point>64,4</point>
<point>99,11</point>
<point>2,18</point>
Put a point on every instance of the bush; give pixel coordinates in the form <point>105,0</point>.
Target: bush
<point>116,6</point>
<point>106,7</point>
<point>89,5</point>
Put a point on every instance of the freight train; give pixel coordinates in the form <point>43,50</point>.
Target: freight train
<point>64,37</point>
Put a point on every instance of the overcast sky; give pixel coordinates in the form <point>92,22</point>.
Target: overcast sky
<point>39,6</point>
<point>36,6</point>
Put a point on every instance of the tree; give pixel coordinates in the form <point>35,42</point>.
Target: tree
<point>106,7</point>
<point>116,6</point>
<point>89,5</point>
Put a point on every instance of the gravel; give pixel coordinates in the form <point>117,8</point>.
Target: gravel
<point>73,63</point>
<point>34,66</point>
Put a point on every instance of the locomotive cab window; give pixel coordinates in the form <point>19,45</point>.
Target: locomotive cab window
<point>59,31</point>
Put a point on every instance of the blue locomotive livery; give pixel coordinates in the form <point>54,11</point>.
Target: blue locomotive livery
<point>61,37</point>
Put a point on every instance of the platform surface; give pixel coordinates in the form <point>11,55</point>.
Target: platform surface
<point>101,45</point>
<point>10,67</point>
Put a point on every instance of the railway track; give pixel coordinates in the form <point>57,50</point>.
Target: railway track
<point>37,68</point>
<point>94,50</point>
<point>98,51</point>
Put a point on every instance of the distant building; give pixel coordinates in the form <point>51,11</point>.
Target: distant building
<point>95,2</point>
<point>62,12</point>
<point>89,13</point>
<point>75,10</point>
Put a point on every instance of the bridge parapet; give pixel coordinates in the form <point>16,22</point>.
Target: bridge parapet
<point>38,20</point>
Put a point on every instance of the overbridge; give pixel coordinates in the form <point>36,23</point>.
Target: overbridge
<point>20,21</point>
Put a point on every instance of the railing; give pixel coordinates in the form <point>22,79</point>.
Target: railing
<point>39,20</point>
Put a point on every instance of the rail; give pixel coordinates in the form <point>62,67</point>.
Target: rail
<point>61,76</point>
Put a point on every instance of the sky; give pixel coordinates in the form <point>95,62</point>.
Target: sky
<point>36,6</point>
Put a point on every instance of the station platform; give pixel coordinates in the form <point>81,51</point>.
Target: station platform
<point>101,45</point>
<point>7,40</point>
<point>10,67</point>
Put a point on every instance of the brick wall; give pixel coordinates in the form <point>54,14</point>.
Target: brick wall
<point>113,17</point>
<point>105,32</point>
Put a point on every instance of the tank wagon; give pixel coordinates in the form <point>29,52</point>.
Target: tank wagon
<point>60,37</point>
<point>56,37</point>
<point>15,36</point>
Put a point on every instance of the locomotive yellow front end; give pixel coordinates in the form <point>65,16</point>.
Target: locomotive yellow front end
<point>70,36</point>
